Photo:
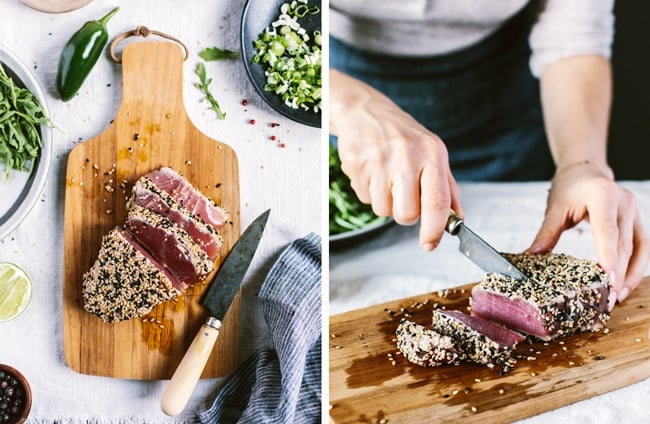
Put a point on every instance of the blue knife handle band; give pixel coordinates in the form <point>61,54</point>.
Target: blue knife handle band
<point>213,322</point>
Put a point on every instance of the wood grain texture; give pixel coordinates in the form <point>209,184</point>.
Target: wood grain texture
<point>367,387</point>
<point>151,129</point>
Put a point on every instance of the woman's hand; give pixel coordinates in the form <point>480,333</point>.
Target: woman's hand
<point>588,191</point>
<point>394,163</point>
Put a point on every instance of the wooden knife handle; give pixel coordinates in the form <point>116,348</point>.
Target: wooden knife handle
<point>180,387</point>
<point>453,222</point>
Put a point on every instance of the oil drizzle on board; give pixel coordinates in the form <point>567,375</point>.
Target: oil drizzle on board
<point>98,205</point>
<point>366,342</point>
<point>156,330</point>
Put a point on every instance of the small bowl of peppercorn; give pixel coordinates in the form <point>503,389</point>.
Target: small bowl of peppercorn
<point>15,396</point>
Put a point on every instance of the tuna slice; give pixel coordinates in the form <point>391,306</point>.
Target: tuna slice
<point>425,347</point>
<point>147,195</point>
<point>170,246</point>
<point>125,281</point>
<point>480,340</point>
<point>563,295</point>
<point>192,199</point>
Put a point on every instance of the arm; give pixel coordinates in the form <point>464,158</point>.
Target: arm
<point>576,98</point>
<point>393,162</point>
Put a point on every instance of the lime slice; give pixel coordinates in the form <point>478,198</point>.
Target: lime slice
<point>15,291</point>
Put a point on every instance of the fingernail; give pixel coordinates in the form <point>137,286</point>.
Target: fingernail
<point>612,278</point>
<point>533,249</point>
<point>623,294</point>
<point>428,247</point>
<point>611,301</point>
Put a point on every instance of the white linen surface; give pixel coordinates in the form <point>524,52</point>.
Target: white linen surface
<point>287,180</point>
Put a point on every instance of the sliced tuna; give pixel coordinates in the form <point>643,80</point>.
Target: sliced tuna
<point>170,245</point>
<point>425,347</point>
<point>480,340</point>
<point>563,295</point>
<point>125,281</point>
<point>147,195</point>
<point>187,195</point>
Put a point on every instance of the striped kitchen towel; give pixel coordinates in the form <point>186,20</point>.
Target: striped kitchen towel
<point>281,385</point>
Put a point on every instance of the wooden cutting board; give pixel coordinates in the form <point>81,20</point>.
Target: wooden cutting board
<point>366,386</point>
<point>151,129</point>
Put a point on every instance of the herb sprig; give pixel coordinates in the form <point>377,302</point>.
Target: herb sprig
<point>20,116</point>
<point>204,86</point>
<point>215,53</point>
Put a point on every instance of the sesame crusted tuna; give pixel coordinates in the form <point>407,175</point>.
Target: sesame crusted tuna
<point>125,281</point>
<point>425,347</point>
<point>563,295</point>
<point>170,245</point>
<point>192,199</point>
<point>482,341</point>
<point>147,194</point>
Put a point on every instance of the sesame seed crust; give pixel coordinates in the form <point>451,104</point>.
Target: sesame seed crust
<point>148,195</point>
<point>122,283</point>
<point>172,203</point>
<point>184,192</point>
<point>478,347</point>
<point>569,294</point>
<point>175,237</point>
<point>425,347</point>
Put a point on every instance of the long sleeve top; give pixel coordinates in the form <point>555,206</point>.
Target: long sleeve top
<point>414,28</point>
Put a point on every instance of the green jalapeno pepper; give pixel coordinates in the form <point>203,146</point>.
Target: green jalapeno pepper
<point>80,54</point>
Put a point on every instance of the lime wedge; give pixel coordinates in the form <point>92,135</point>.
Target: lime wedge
<point>15,291</point>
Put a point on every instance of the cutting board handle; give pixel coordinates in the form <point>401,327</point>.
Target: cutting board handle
<point>152,67</point>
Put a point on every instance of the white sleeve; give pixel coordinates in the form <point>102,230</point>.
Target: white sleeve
<point>568,28</point>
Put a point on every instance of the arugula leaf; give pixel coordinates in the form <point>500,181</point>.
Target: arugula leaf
<point>346,212</point>
<point>204,85</point>
<point>20,115</point>
<point>215,53</point>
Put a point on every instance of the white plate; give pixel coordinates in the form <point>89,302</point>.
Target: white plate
<point>19,193</point>
<point>55,6</point>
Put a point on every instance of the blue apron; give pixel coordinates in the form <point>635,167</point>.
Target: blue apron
<point>482,101</point>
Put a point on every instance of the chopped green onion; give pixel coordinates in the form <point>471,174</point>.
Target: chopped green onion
<point>292,57</point>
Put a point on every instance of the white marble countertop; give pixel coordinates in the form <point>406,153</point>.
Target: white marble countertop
<point>391,265</point>
<point>285,179</point>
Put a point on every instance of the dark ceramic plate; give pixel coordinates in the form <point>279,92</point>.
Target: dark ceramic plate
<point>258,14</point>
<point>355,236</point>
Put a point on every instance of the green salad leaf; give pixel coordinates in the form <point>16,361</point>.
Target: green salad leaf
<point>204,86</point>
<point>215,53</point>
<point>20,117</point>
<point>346,212</point>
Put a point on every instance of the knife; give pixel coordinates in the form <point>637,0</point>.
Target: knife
<point>479,251</point>
<point>217,300</point>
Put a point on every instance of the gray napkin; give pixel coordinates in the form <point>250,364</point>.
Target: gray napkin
<point>281,385</point>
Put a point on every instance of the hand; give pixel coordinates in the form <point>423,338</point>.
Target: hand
<point>588,191</point>
<point>394,163</point>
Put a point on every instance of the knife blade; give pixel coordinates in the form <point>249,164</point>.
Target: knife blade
<point>479,251</point>
<point>217,300</point>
